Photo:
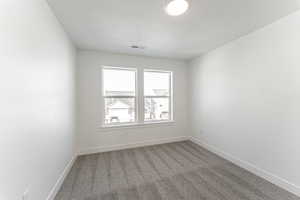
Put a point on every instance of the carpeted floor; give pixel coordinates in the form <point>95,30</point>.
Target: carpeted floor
<point>181,170</point>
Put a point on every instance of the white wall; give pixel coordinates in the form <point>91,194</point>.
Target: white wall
<point>245,99</point>
<point>36,99</point>
<point>91,136</point>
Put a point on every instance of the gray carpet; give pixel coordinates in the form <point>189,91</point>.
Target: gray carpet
<point>181,170</point>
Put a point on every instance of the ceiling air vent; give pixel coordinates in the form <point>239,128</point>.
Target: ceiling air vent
<point>137,47</point>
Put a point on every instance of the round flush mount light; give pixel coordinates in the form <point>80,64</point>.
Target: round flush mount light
<point>177,7</point>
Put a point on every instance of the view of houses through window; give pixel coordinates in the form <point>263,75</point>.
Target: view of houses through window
<point>120,99</point>
<point>157,95</point>
<point>119,87</point>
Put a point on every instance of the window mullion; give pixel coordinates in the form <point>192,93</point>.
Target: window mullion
<point>119,97</point>
<point>171,100</point>
<point>140,96</point>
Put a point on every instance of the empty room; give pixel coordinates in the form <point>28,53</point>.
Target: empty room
<point>149,99</point>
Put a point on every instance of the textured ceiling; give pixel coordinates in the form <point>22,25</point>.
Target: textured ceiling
<point>114,25</point>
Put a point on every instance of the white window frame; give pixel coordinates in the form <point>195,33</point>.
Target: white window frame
<point>170,97</point>
<point>136,115</point>
<point>139,99</point>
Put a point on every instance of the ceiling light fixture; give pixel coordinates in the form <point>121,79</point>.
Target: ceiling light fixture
<point>177,7</point>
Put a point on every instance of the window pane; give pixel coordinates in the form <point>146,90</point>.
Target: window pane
<point>119,110</point>
<point>157,109</point>
<point>156,83</point>
<point>118,82</point>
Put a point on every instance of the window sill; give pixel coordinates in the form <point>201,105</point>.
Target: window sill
<point>136,125</point>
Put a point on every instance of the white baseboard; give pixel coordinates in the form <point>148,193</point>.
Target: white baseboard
<point>280,182</point>
<point>61,179</point>
<point>131,145</point>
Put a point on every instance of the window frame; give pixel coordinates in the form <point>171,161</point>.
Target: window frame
<point>169,97</point>
<point>139,98</point>
<point>136,97</point>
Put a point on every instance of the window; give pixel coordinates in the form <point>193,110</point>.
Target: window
<point>119,92</point>
<point>157,95</point>
<point>122,104</point>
